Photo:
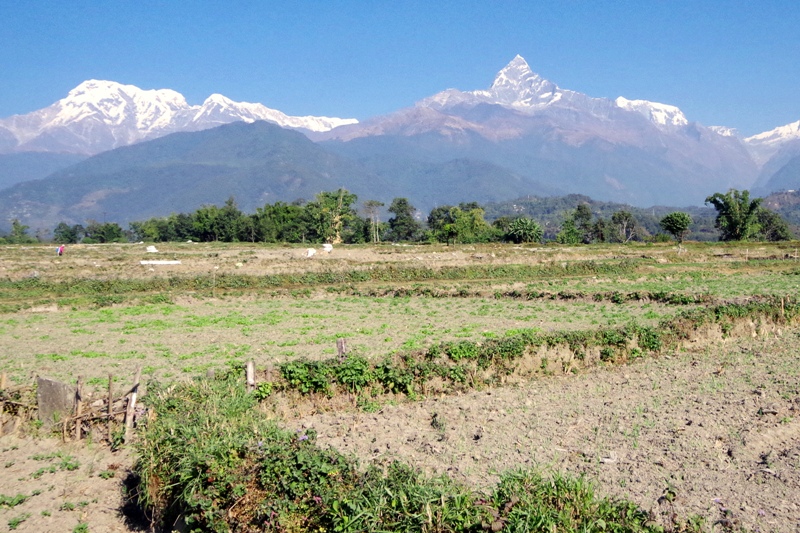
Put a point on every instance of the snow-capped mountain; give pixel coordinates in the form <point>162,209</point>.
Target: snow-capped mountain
<point>779,135</point>
<point>517,87</point>
<point>765,145</point>
<point>100,115</point>
<point>634,151</point>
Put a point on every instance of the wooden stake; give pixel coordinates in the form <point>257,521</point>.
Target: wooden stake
<point>110,408</point>
<point>78,407</point>
<point>250,372</point>
<point>341,348</point>
<point>132,405</point>
<point>2,403</point>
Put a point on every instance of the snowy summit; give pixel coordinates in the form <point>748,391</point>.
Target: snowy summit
<point>100,115</point>
<point>516,86</point>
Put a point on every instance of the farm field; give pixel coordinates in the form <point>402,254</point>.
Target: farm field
<point>711,421</point>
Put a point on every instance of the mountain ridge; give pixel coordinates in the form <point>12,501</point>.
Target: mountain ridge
<point>522,135</point>
<point>565,139</point>
<point>100,115</point>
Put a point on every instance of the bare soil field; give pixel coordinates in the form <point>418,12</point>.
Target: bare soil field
<point>714,429</point>
<point>63,485</point>
<point>711,429</point>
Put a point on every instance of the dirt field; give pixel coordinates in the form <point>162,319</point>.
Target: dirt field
<point>713,430</point>
<point>717,426</point>
<point>66,484</point>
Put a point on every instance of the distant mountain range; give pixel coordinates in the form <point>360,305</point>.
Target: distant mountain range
<point>97,116</point>
<point>152,153</point>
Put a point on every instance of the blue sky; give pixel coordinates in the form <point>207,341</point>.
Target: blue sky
<point>733,63</point>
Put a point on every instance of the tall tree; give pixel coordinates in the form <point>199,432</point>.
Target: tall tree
<point>583,222</point>
<point>403,226</point>
<point>105,232</point>
<point>19,233</point>
<point>230,220</point>
<point>625,224</point>
<point>569,233</point>
<point>439,217</point>
<point>66,234</point>
<point>330,214</point>
<point>373,210</point>
<point>677,224</point>
<point>737,215</point>
<point>772,227</point>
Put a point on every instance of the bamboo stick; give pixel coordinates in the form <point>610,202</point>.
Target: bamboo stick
<point>2,402</point>
<point>20,404</point>
<point>109,429</point>
<point>132,405</point>
<point>78,407</point>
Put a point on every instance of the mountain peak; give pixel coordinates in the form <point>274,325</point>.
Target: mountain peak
<point>518,64</point>
<point>218,99</point>
<point>94,85</point>
<point>515,86</point>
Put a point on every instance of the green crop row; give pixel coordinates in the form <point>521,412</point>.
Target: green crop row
<point>469,363</point>
<point>210,458</point>
<point>111,291</point>
<point>665,297</point>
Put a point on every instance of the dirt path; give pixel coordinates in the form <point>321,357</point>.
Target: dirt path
<point>717,432</point>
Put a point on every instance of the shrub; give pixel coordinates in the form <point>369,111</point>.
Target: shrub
<point>354,373</point>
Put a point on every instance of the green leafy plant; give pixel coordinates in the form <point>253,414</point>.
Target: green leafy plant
<point>12,501</point>
<point>17,520</point>
<point>263,390</point>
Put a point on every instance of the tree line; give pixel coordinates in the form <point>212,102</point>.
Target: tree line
<point>335,217</point>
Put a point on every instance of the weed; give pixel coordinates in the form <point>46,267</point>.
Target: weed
<point>17,520</point>
<point>263,390</point>
<point>12,501</point>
